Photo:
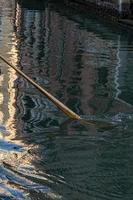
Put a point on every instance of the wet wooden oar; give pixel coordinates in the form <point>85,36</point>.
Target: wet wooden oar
<point>72,115</point>
<point>59,104</point>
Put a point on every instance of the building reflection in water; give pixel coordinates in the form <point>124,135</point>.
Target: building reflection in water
<point>57,47</point>
<point>77,65</point>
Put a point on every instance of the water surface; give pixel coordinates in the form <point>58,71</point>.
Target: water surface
<point>87,64</point>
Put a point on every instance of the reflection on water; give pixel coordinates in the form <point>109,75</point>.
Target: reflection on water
<point>87,64</point>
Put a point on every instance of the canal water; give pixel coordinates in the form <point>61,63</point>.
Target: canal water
<point>87,63</point>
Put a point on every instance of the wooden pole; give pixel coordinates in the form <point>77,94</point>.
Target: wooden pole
<point>59,104</point>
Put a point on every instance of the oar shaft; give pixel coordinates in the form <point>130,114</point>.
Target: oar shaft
<point>59,104</point>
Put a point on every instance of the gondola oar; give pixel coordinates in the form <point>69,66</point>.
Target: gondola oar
<point>72,115</point>
<point>59,104</point>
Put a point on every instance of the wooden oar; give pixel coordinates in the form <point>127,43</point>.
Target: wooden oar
<point>72,115</point>
<point>59,104</point>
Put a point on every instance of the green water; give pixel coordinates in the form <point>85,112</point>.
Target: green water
<point>86,63</point>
